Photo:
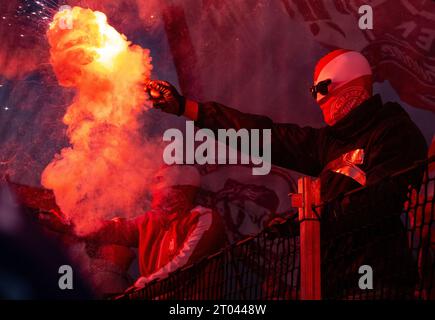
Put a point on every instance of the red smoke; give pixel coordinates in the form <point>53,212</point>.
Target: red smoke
<point>24,46</point>
<point>107,169</point>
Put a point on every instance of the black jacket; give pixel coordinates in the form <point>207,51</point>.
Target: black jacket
<point>390,142</point>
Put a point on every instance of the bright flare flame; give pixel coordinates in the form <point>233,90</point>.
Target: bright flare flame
<point>112,42</point>
<point>107,169</point>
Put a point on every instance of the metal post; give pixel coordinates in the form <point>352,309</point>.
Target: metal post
<point>309,195</point>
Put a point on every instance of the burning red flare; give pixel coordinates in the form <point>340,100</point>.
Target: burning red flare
<point>106,170</point>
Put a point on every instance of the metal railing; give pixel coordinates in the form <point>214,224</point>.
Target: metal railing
<point>318,254</point>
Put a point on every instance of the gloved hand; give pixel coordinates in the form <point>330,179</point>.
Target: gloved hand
<point>165,97</point>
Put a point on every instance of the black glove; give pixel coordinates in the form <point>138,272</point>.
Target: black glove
<point>165,97</point>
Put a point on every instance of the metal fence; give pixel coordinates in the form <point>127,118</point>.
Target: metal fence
<point>265,267</point>
<point>328,250</point>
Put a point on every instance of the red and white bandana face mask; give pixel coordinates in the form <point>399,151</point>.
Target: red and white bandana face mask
<point>351,83</point>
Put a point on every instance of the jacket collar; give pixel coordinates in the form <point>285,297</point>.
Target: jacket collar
<point>358,120</point>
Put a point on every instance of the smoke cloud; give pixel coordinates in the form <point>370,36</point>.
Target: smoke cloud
<point>108,167</point>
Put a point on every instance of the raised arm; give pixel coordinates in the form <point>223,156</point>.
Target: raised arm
<point>292,147</point>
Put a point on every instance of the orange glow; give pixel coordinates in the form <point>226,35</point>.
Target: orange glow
<point>104,172</point>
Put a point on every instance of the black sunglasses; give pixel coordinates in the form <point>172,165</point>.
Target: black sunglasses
<point>321,87</point>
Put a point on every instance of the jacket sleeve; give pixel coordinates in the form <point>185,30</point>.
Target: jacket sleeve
<point>293,147</point>
<point>120,231</point>
<point>200,243</point>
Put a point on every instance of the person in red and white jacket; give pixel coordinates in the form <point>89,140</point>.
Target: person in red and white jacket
<point>174,233</point>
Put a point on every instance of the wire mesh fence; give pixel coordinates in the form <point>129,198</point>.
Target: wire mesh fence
<point>387,227</point>
<point>261,267</point>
